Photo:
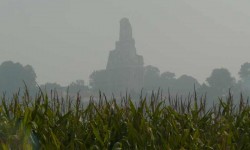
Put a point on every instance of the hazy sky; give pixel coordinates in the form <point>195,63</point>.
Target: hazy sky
<point>65,40</point>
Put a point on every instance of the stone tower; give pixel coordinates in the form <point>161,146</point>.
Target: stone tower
<point>125,68</point>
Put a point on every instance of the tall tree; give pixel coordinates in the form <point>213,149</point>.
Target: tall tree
<point>185,84</point>
<point>168,75</point>
<point>151,78</point>
<point>167,80</point>
<point>14,75</point>
<point>98,80</point>
<point>221,80</point>
<point>244,83</point>
<point>245,71</point>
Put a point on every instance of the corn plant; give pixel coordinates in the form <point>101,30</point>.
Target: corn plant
<point>53,122</point>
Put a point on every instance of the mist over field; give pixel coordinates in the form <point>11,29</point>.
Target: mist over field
<point>128,74</point>
<point>67,40</point>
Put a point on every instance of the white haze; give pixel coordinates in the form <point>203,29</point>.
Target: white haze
<point>65,40</point>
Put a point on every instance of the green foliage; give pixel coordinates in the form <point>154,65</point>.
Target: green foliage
<point>158,123</point>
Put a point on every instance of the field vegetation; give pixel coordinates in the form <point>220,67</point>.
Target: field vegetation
<point>51,122</point>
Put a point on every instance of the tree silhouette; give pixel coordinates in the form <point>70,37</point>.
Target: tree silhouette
<point>221,79</point>
<point>151,78</point>
<point>185,84</point>
<point>98,80</point>
<point>167,75</point>
<point>48,87</point>
<point>167,80</point>
<point>77,86</point>
<point>14,75</point>
<point>245,71</point>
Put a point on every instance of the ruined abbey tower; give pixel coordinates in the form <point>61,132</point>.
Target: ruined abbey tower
<point>124,69</point>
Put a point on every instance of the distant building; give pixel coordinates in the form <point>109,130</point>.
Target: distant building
<point>125,68</point>
<point>124,71</point>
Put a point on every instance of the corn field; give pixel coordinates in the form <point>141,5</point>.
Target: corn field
<point>53,122</point>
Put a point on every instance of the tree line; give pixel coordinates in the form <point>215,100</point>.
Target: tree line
<point>14,77</point>
<point>218,84</point>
